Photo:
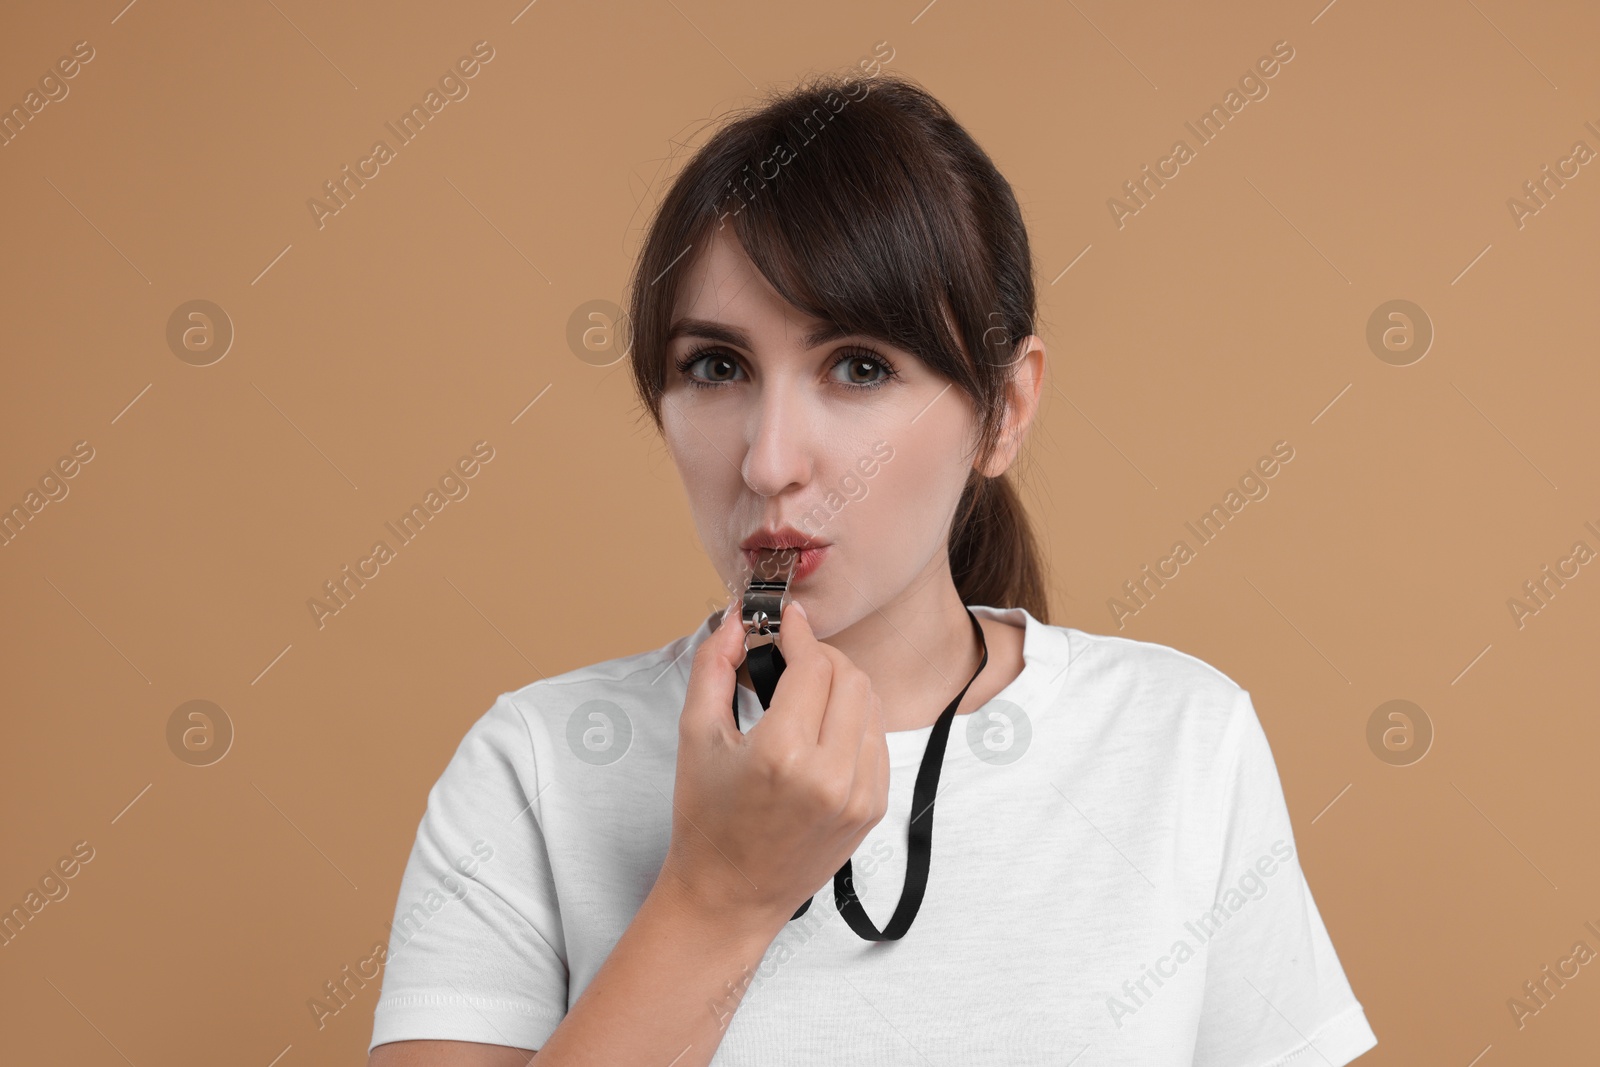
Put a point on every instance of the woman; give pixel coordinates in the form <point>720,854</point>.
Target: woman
<point>832,326</point>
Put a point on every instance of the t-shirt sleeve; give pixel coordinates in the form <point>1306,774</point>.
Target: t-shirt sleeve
<point>1275,990</point>
<point>475,950</point>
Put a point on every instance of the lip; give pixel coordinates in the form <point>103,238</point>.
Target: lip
<point>810,559</point>
<point>812,551</point>
<point>780,537</point>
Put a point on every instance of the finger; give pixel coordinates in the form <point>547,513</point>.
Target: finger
<point>801,697</point>
<point>872,772</point>
<point>880,741</point>
<point>870,760</point>
<point>850,706</point>
<point>713,677</point>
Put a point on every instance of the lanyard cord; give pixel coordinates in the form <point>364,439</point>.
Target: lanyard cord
<point>766,664</point>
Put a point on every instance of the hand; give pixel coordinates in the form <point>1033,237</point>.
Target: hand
<point>762,820</point>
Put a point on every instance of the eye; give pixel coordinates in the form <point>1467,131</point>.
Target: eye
<point>717,360</point>
<point>861,360</point>
<point>863,368</point>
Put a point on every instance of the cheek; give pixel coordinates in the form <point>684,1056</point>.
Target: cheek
<point>710,482</point>
<point>687,446</point>
<point>913,492</point>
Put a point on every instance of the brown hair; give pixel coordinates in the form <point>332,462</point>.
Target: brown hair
<point>885,217</point>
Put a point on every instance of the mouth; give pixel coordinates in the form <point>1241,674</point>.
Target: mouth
<point>810,559</point>
<point>768,540</point>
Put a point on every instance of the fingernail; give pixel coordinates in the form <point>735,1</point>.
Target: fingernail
<point>801,608</point>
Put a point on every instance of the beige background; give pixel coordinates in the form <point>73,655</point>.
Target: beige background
<point>371,353</point>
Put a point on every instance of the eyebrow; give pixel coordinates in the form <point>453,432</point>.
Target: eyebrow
<point>717,331</point>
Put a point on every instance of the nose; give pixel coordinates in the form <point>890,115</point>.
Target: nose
<point>779,455</point>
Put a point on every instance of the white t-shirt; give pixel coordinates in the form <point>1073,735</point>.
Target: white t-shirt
<point>1113,875</point>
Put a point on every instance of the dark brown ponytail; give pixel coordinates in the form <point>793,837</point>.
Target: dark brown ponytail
<point>992,553</point>
<point>864,203</point>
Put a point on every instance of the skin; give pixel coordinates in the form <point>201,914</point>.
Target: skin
<point>765,450</point>
<point>779,427</point>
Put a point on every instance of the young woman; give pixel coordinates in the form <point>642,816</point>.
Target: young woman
<point>953,833</point>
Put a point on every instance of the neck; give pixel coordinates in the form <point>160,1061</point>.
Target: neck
<point>919,651</point>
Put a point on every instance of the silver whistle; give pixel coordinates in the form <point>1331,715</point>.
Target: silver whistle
<point>766,595</point>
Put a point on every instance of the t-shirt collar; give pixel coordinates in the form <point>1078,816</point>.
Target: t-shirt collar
<point>1046,656</point>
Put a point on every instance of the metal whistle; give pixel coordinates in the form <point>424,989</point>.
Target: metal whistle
<point>766,595</point>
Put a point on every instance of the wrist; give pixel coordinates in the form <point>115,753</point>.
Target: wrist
<point>716,922</point>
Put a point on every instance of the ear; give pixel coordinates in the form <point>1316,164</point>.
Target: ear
<point>1022,402</point>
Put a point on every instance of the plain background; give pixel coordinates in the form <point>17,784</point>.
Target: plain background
<point>371,352</point>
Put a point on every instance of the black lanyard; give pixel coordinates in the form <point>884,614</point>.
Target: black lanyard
<point>766,664</point>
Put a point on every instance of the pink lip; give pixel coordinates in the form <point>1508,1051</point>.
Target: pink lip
<point>810,560</point>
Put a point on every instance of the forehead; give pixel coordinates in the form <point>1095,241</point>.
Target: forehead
<point>721,283</point>
<point>723,295</point>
